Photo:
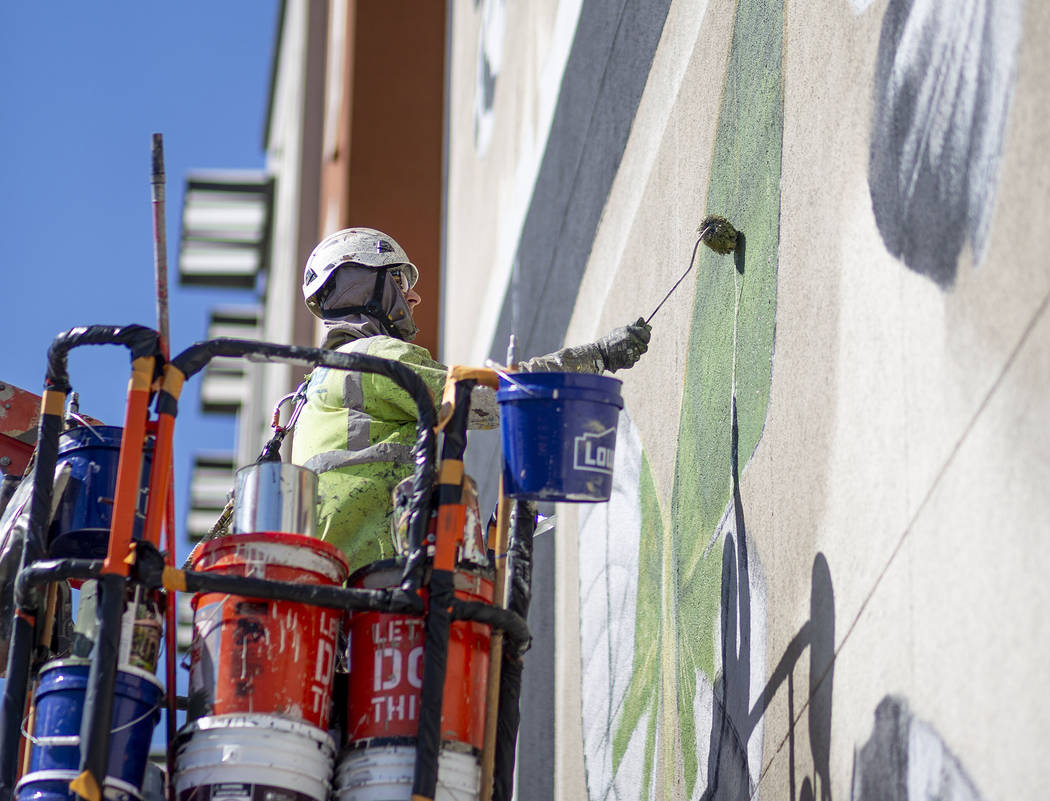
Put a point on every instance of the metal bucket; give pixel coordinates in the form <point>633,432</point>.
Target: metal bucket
<point>275,496</point>
<point>53,785</point>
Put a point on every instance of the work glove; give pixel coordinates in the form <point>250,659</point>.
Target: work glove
<point>623,347</point>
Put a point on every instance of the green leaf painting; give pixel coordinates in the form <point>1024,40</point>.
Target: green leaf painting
<point>679,558</point>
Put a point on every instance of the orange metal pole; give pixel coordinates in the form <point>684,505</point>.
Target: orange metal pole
<point>162,509</point>
<point>488,750</point>
<point>163,451</point>
<point>160,478</point>
<point>129,467</point>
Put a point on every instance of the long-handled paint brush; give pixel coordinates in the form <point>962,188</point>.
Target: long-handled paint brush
<point>718,234</point>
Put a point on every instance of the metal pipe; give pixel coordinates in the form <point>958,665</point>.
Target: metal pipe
<point>347,598</point>
<point>129,467</point>
<point>488,751</point>
<point>27,598</point>
<point>15,700</point>
<point>97,714</point>
<point>519,596</point>
<point>46,571</point>
<point>449,533</point>
<point>160,239</point>
<point>170,645</point>
<point>514,628</point>
<point>435,659</point>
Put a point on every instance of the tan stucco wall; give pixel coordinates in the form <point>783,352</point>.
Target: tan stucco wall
<point>492,168</point>
<point>895,501</point>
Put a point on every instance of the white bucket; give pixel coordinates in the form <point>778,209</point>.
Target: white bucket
<point>385,773</point>
<point>245,744</point>
<point>233,755</point>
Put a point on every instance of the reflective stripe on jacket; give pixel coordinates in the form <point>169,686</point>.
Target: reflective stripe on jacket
<point>357,431</point>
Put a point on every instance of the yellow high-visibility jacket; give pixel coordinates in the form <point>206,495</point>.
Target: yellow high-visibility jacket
<point>356,432</point>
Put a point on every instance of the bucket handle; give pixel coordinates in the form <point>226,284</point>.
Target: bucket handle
<point>502,373</point>
<point>37,740</point>
<point>80,419</point>
<point>200,636</point>
<point>156,707</point>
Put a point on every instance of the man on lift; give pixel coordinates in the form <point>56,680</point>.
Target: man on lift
<point>356,430</point>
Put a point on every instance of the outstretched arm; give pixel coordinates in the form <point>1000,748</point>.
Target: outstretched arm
<point>619,349</point>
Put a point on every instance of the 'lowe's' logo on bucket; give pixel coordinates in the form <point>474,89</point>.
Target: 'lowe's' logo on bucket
<point>595,452</point>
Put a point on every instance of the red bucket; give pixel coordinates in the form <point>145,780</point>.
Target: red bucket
<point>269,657</point>
<point>386,665</point>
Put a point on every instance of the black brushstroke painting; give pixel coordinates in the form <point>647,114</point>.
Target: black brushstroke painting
<point>943,84</point>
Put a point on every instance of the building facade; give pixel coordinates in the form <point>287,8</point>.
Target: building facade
<point>819,575</point>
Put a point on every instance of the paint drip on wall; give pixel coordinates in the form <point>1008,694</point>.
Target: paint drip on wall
<point>943,85</point>
<point>685,720</point>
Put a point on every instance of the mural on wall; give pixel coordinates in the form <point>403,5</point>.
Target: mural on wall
<point>943,85</point>
<point>673,598</point>
<point>488,63</point>
<point>679,711</point>
<point>905,759</point>
<point>617,624</point>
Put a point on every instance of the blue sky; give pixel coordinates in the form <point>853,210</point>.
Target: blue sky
<point>83,86</point>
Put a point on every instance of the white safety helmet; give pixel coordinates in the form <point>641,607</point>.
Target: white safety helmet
<point>365,247</point>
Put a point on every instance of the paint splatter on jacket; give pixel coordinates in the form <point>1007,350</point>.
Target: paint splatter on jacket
<point>356,432</point>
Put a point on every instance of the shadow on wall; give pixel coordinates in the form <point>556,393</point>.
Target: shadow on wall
<point>905,759</point>
<point>735,719</point>
<point>943,84</point>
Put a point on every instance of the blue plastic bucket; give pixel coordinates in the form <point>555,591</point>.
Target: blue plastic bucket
<point>53,785</point>
<point>82,521</point>
<point>59,708</point>
<point>559,435</point>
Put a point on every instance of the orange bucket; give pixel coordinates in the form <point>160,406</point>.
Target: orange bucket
<point>250,655</point>
<point>386,665</point>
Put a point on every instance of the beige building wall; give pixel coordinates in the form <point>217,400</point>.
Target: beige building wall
<point>292,140</point>
<point>820,573</point>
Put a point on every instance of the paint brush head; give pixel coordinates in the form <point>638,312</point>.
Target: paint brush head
<point>717,233</point>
